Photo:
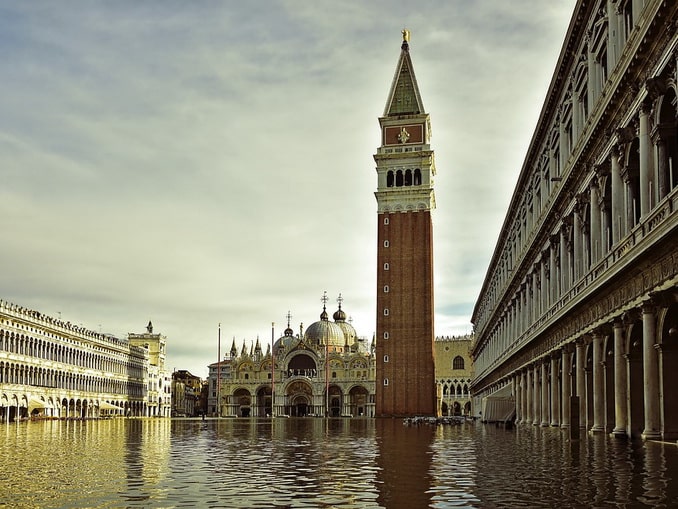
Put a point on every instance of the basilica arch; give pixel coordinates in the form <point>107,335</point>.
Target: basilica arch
<point>299,399</point>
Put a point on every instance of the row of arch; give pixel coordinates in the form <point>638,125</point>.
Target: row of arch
<point>299,398</point>
<point>623,374</point>
<point>21,374</point>
<point>51,350</point>
<point>16,407</point>
<point>400,178</point>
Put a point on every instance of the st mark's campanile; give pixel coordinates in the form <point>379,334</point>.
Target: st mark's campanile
<point>405,384</point>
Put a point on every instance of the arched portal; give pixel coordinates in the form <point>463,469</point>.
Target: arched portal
<point>358,397</point>
<point>243,401</point>
<point>335,401</point>
<point>299,399</point>
<point>264,402</point>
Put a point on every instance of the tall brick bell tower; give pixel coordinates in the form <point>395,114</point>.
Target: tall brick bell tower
<point>405,168</point>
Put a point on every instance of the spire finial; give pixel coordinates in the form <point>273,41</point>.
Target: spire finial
<point>340,299</point>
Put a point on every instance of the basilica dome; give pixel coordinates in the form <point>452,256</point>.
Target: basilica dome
<point>286,342</point>
<point>350,335</point>
<point>324,332</point>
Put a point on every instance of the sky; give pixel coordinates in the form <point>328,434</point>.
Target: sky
<point>208,165</point>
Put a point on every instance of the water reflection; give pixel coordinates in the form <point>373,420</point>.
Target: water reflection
<point>325,463</point>
<point>403,461</point>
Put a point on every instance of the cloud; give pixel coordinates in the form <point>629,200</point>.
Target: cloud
<point>206,163</point>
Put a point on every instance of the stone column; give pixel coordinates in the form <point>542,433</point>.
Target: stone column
<point>536,393</point>
<point>535,294</point>
<point>596,237</point>
<point>620,381</point>
<point>645,186</point>
<point>662,168</point>
<point>523,397</point>
<point>650,373</point>
<point>580,353</point>
<point>518,396</point>
<point>555,395</point>
<point>529,396</point>
<point>564,265</point>
<point>544,393</point>
<point>598,383</point>
<point>543,293</point>
<point>618,213</point>
<point>577,249</point>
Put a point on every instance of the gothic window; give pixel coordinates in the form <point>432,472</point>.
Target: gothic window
<point>417,177</point>
<point>399,178</point>
<point>458,362</point>
<point>389,179</point>
<point>408,177</point>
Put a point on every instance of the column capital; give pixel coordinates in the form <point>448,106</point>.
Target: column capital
<point>631,315</point>
<point>648,307</point>
<point>583,340</point>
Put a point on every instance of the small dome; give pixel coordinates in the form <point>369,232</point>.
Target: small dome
<point>350,335</point>
<point>286,341</point>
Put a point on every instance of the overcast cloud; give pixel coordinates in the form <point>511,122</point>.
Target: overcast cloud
<point>197,163</point>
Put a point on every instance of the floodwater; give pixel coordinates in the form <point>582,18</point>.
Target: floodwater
<point>319,463</point>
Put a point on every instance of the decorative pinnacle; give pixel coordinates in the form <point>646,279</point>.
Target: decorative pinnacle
<point>340,299</point>
<point>406,35</point>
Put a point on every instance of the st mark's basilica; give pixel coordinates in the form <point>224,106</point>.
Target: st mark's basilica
<point>326,370</point>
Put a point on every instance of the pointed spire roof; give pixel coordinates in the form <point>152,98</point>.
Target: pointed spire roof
<point>404,97</point>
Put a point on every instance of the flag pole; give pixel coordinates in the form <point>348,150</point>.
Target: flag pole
<point>219,372</point>
<point>272,369</point>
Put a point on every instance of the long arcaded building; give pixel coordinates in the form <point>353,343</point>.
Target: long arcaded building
<point>50,368</point>
<point>581,295</point>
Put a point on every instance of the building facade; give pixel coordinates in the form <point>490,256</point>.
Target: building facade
<point>405,198</point>
<point>159,379</point>
<point>54,369</point>
<point>328,370</point>
<point>454,373</point>
<point>186,389</point>
<point>581,296</point>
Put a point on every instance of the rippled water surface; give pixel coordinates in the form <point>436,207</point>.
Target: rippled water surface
<point>325,463</point>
